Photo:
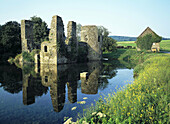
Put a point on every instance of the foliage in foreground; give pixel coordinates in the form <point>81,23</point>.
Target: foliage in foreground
<point>144,101</point>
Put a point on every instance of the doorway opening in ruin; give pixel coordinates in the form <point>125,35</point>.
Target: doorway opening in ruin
<point>38,60</point>
<point>46,79</point>
<point>45,48</point>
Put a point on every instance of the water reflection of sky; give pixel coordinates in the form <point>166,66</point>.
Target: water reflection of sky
<point>51,104</point>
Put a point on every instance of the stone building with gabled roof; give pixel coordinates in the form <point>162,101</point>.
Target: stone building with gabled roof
<point>156,45</point>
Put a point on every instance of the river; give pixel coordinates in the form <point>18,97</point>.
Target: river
<point>48,93</point>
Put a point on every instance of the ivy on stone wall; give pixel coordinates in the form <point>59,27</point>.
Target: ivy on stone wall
<point>145,42</point>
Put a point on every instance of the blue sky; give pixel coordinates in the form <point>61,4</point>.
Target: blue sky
<point>120,17</point>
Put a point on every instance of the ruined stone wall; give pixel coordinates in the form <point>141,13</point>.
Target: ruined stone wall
<point>57,30</point>
<point>89,34</point>
<point>71,41</point>
<point>71,33</point>
<point>27,35</point>
<point>51,52</point>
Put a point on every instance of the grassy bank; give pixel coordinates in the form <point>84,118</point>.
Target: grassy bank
<point>144,101</point>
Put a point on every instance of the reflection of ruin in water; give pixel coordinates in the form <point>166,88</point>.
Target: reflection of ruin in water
<point>36,80</point>
<point>89,84</point>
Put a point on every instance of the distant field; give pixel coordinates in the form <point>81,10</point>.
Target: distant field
<point>126,43</point>
<point>165,44</point>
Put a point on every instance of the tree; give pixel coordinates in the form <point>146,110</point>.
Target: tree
<point>109,44</point>
<point>10,39</point>
<point>78,31</point>
<point>103,31</point>
<point>40,31</point>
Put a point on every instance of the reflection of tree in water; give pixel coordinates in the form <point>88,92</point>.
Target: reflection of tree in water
<point>10,78</point>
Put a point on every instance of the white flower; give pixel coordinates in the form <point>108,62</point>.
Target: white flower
<point>101,114</point>
<point>94,113</point>
<point>68,121</point>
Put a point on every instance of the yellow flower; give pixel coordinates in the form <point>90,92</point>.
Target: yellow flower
<point>128,113</point>
<point>150,118</point>
<point>141,115</point>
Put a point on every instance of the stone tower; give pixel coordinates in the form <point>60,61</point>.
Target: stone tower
<point>71,41</point>
<point>50,49</point>
<point>27,35</point>
<point>89,35</point>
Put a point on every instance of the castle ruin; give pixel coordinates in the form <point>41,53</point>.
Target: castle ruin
<point>59,49</point>
<point>27,35</point>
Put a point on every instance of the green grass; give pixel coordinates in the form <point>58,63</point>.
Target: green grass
<point>165,45</point>
<point>126,43</point>
<point>114,55</point>
<point>144,101</point>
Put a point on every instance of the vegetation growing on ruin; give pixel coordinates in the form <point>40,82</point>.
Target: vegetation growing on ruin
<point>82,53</point>
<point>146,100</point>
<point>145,42</point>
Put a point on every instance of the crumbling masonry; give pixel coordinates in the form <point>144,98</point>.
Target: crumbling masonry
<point>60,50</point>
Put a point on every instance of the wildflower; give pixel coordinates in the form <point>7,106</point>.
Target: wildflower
<point>101,114</point>
<point>141,115</point>
<point>94,113</point>
<point>73,108</point>
<point>68,121</point>
<point>128,113</point>
<point>150,118</point>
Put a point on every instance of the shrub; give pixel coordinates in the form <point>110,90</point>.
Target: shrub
<point>109,44</point>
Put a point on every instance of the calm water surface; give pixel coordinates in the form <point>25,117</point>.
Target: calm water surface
<point>48,94</point>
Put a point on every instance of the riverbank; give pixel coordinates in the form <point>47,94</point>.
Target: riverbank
<point>144,101</point>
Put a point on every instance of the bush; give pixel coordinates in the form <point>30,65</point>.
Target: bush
<point>109,44</point>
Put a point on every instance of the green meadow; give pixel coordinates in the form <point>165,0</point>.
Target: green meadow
<point>164,44</point>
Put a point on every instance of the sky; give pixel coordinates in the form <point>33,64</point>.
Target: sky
<point>120,17</point>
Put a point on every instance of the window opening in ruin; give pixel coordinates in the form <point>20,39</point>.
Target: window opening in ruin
<point>45,48</point>
<point>46,78</point>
